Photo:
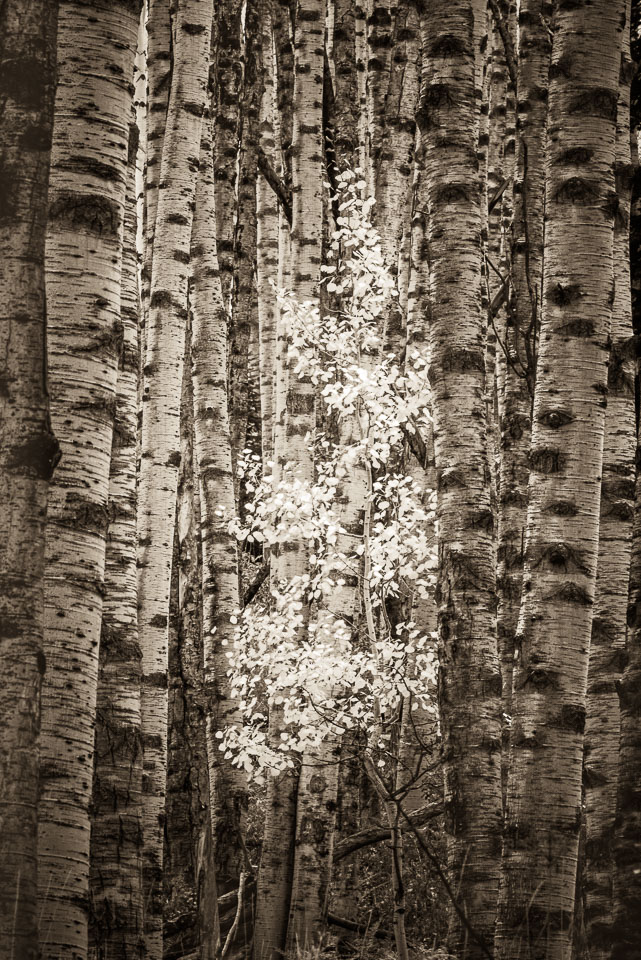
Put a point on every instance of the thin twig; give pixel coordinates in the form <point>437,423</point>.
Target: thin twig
<point>239,910</point>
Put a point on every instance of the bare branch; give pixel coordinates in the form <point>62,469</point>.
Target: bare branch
<point>502,28</point>
<point>278,186</point>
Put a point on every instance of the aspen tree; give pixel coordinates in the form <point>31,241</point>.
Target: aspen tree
<point>626,930</point>
<point>160,428</point>
<point>267,236</point>
<point>607,646</point>
<point>536,902</point>
<point>116,821</point>
<point>28,449</point>
<point>298,410</point>
<point>220,600</point>
<point>393,163</point>
<point>244,237</point>
<point>228,88</point>
<point>469,679</point>
<point>96,49</point>
<point>522,324</point>
<point>159,67</point>
<point>189,875</point>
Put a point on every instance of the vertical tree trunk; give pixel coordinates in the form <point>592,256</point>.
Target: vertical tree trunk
<point>228,92</point>
<point>189,923</point>
<point>607,647</point>
<point>228,786</point>
<point>298,411</point>
<point>116,822</point>
<point>96,49</point>
<point>522,324</point>
<point>626,931</point>
<point>536,903</point>
<point>28,449</point>
<point>244,238</point>
<point>469,679</point>
<point>267,238</point>
<point>160,429</point>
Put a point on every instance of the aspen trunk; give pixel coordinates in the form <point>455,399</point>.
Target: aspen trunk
<point>392,161</point>
<point>228,92</point>
<point>522,324</point>
<point>536,902</point>
<point>469,679</point>
<point>626,930</point>
<point>244,238</point>
<point>189,875</point>
<point>212,444</point>
<point>267,239</point>
<point>96,49</point>
<point>296,407</point>
<point>160,428</point>
<point>116,823</point>
<point>28,448</point>
<point>607,647</point>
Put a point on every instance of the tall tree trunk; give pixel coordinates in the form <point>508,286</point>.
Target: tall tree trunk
<point>536,903</point>
<point>626,931</point>
<point>159,66</point>
<point>160,428</point>
<point>295,399</point>
<point>116,822</point>
<point>393,164</point>
<point>212,445</point>
<point>228,91</point>
<point>189,874</point>
<point>28,449</point>
<point>522,324</point>
<point>96,49</point>
<point>469,679</point>
<point>267,237</point>
<point>244,235</point>
<point>607,647</point>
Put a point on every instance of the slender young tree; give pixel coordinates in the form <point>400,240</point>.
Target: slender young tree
<point>469,676</point>
<point>267,235</point>
<point>96,50</point>
<point>212,447</point>
<point>517,365</point>
<point>609,626</point>
<point>160,426</point>
<point>536,903</point>
<point>189,875</point>
<point>116,819</point>
<point>28,449</point>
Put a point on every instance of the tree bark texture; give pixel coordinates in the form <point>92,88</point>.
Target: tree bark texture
<point>536,902</point>
<point>28,448</point>
<point>469,678</point>
<point>212,445</point>
<point>607,645</point>
<point>115,931</point>
<point>160,455</point>
<point>96,49</point>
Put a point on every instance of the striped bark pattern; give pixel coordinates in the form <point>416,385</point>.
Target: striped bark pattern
<point>160,454</point>
<point>469,680</point>
<point>522,323</point>
<point>609,626</point>
<point>28,449</point>
<point>116,823</point>
<point>212,446</point>
<point>536,902</point>
<point>96,49</point>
